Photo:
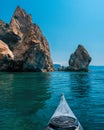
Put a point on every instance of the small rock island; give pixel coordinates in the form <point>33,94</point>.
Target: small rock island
<point>79,60</point>
<point>23,46</point>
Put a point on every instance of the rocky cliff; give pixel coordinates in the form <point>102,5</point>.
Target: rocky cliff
<point>79,60</point>
<point>29,47</point>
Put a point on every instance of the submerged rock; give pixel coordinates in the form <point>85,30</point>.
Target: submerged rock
<point>25,39</point>
<point>79,60</point>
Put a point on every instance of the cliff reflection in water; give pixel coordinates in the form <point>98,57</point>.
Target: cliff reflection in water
<point>80,84</point>
<point>21,96</point>
<point>80,90</point>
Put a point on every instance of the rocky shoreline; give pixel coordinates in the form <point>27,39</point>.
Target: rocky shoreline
<point>23,47</point>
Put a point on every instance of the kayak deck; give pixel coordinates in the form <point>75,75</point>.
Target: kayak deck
<point>63,118</point>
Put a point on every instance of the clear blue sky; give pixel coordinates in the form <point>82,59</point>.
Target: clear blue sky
<point>65,24</point>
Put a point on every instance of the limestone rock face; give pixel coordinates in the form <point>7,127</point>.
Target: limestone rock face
<point>30,48</point>
<point>21,22</point>
<point>79,60</point>
<point>6,56</point>
<point>7,35</point>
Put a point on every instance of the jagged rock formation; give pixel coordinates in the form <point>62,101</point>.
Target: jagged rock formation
<point>79,60</point>
<point>25,39</point>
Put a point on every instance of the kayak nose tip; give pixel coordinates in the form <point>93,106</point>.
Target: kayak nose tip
<point>62,94</point>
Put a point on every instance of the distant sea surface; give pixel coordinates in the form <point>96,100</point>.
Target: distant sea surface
<point>28,100</point>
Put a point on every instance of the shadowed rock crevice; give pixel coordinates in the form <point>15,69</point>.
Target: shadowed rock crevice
<point>6,56</point>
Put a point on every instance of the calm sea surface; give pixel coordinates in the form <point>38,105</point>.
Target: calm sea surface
<point>28,100</point>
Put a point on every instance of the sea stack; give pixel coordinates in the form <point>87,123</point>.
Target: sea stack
<point>79,60</point>
<point>25,40</point>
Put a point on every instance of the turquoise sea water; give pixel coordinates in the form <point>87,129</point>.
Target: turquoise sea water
<point>28,100</point>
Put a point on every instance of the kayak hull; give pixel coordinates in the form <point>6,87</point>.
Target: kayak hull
<point>63,118</point>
